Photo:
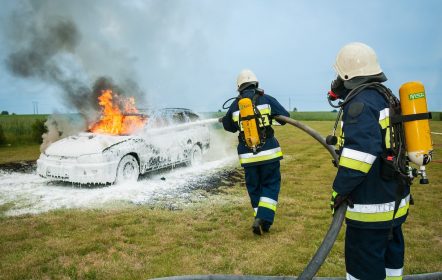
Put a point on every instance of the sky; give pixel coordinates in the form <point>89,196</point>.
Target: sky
<point>188,53</point>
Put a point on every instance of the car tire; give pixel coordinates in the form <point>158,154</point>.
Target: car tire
<point>195,155</point>
<point>128,170</point>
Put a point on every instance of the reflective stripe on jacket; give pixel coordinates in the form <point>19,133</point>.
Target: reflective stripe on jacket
<point>268,107</point>
<point>266,156</point>
<point>364,139</point>
<point>382,212</point>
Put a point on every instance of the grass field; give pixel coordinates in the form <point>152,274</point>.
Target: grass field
<point>314,116</point>
<point>18,129</point>
<point>213,236</point>
<point>23,152</point>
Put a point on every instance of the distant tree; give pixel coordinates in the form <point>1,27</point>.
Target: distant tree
<point>38,128</point>
<point>13,114</point>
<point>2,136</point>
<point>219,111</point>
<point>334,111</point>
<point>295,109</point>
<point>5,113</point>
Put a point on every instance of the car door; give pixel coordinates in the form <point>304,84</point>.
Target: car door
<point>182,136</point>
<point>158,142</point>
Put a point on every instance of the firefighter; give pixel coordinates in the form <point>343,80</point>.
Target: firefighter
<point>377,204</point>
<point>261,164</point>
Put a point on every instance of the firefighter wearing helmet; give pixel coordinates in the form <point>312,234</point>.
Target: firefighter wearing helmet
<point>251,113</point>
<point>377,202</point>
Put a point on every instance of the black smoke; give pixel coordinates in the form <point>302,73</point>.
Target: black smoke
<point>39,58</point>
<point>48,52</point>
<point>47,45</point>
<point>35,59</point>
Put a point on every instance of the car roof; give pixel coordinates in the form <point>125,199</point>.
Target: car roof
<point>176,110</point>
<point>166,111</point>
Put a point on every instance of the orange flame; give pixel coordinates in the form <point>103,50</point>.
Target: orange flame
<point>114,120</point>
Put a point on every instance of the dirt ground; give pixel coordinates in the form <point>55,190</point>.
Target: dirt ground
<point>27,166</point>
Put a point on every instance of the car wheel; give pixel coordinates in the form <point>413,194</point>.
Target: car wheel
<point>128,169</point>
<point>196,155</point>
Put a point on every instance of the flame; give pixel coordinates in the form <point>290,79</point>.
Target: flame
<point>118,115</point>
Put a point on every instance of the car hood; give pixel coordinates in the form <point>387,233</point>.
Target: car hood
<point>83,144</point>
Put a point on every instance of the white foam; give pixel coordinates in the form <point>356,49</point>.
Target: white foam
<point>31,194</point>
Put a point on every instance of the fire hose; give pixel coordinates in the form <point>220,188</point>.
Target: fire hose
<point>324,249</point>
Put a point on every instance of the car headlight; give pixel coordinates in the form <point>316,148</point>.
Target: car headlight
<point>91,158</point>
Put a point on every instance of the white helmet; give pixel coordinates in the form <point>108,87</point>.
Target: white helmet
<point>246,76</point>
<point>356,60</point>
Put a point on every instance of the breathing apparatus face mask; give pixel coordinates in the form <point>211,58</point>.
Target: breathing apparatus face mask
<point>337,89</point>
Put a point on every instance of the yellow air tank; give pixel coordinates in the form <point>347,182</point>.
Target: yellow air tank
<point>248,123</point>
<point>417,132</point>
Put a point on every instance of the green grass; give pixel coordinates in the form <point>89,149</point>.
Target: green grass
<point>16,153</point>
<point>314,116</point>
<point>18,128</point>
<point>437,116</point>
<point>213,236</point>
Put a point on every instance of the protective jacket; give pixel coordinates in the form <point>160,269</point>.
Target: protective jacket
<point>363,142</point>
<point>268,107</point>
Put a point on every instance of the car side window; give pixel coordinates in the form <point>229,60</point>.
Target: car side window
<point>172,116</point>
<point>184,117</point>
<point>192,116</point>
<point>179,117</point>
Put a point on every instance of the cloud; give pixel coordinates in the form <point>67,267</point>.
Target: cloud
<point>53,49</point>
<point>188,53</point>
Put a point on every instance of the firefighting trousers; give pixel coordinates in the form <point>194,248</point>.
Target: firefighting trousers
<point>263,184</point>
<point>371,255</point>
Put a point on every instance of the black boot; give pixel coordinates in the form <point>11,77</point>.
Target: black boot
<point>266,226</point>
<point>257,226</point>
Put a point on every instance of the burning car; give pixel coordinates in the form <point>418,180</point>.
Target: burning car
<point>121,146</point>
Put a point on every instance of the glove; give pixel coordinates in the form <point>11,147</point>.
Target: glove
<point>337,200</point>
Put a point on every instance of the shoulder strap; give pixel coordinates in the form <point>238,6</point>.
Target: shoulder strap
<point>397,140</point>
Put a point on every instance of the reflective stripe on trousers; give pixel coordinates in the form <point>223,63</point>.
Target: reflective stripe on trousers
<point>381,212</point>
<point>255,211</point>
<point>350,277</point>
<point>268,203</point>
<point>261,156</point>
<point>394,274</point>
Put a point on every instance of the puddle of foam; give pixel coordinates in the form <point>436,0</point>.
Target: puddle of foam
<point>31,194</point>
